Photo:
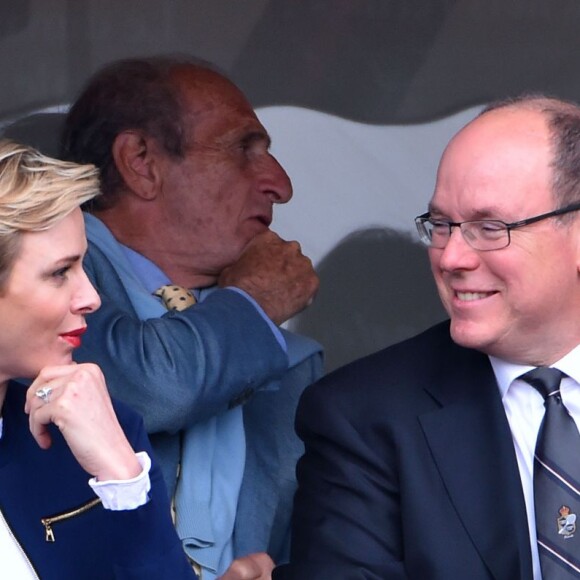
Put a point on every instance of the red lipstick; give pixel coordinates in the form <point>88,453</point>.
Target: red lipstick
<point>73,337</point>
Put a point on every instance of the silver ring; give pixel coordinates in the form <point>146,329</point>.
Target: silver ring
<point>44,394</point>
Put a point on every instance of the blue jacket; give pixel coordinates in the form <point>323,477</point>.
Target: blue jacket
<point>97,544</point>
<point>177,373</point>
<point>188,366</point>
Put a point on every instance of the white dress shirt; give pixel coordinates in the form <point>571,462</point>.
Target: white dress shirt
<point>524,407</point>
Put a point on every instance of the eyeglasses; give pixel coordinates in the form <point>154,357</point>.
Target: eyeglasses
<point>483,235</point>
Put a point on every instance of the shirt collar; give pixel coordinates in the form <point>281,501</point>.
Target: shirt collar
<point>150,275</point>
<point>506,372</point>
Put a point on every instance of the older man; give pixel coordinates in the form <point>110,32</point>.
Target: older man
<point>419,459</point>
<point>189,187</point>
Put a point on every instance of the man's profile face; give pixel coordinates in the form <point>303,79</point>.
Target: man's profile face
<point>521,302</point>
<point>221,194</point>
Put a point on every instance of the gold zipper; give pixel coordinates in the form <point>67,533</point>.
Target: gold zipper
<point>48,522</point>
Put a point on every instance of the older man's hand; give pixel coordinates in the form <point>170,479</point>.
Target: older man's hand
<point>257,566</point>
<point>276,274</point>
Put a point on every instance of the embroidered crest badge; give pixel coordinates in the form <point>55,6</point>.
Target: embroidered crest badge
<point>566,522</point>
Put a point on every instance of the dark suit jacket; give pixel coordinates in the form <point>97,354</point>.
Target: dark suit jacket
<point>409,471</point>
<point>97,544</point>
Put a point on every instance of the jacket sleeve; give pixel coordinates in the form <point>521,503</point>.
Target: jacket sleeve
<point>143,541</point>
<point>346,519</point>
<point>184,367</point>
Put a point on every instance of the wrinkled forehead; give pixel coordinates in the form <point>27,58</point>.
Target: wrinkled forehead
<point>214,107</point>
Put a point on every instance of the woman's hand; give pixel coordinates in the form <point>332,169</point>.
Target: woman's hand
<point>79,405</point>
<point>256,566</point>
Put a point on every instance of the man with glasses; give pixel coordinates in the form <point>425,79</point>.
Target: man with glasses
<point>443,457</point>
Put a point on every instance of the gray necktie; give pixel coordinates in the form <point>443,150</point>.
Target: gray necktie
<point>556,480</point>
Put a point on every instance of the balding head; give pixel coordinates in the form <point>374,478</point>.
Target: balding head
<point>563,122</point>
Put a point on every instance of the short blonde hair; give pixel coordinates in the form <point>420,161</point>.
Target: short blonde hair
<point>36,192</point>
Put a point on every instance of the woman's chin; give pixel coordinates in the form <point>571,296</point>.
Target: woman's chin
<point>55,361</point>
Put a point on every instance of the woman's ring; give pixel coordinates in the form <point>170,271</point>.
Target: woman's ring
<point>44,394</point>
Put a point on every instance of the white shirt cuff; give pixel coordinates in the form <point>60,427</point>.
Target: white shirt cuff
<point>128,494</point>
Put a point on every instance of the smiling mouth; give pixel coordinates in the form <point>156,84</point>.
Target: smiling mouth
<point>471,296</point>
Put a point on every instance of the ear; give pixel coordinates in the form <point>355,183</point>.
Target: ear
<point>135,157</point>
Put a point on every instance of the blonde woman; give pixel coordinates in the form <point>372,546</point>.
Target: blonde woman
<point>78,495</point>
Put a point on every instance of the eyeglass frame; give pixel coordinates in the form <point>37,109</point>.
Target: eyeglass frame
<point>421,219</point>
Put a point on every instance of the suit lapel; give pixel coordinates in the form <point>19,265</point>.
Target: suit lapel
<point>480,473</point>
